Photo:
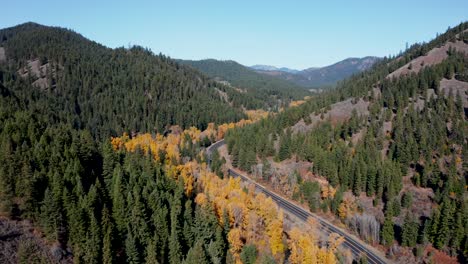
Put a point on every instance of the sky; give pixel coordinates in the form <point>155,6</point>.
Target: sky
<point>294,34</point>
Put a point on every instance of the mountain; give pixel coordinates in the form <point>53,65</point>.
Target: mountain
<point>273,68</point>
<point>324,76</point>
<point>96,166</point>
<point>259,86</point>
<point>329,75</point>
<point>108,91</point>
<point>385,152</point>
<point>93,167</point>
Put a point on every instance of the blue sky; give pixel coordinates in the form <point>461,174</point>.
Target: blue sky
<point>296,34</point>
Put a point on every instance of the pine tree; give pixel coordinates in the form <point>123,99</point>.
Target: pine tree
<point>217,248</point>
<point>92,252</point>
<point>175,249</point>
<point>357,185</point>
<point>108,236</point>
<point>434,225</point>
<point>410,231</point>
<point>443,233</point>
<point>119,211</point>
<point>188,223</point>
<point>196,254</point>
<point>396,207</point>
<point>235,157</point>
<point>108,164</point>
<point>131,249</point>
<point>370,185</point>
<point>266,169</point>
<point>387,230</point>
<point>50,215</point>
<point>151,252</point>
<point>458,232</point>
<point>250,159</point>
<point>249,254</point>
<point>333,177</point>
<point>407,200</point>
<point>284,150</point>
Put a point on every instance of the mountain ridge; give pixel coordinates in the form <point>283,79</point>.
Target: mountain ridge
<point>262,67</point>
<point>391,141</point>
<point>244,78</point>
<point>315,77</point>
<point>63,66</point>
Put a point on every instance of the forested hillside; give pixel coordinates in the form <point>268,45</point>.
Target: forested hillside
<point>59,170</point>
<point>324,77</point>
<point>275,91</point>
<point>72,191</point>
<point>101,152</point>
<point>106,91</point>
<point>386,152</point>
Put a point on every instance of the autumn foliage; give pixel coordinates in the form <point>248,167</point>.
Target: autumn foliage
<point>256,219</point>
<point>253,219</point>
<point>304,249</point>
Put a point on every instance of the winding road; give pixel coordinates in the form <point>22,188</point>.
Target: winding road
<point>357,246</point>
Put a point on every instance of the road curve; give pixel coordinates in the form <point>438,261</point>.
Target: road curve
<point>357,247</point>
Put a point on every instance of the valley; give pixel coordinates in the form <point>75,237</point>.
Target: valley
<point>113,154</point>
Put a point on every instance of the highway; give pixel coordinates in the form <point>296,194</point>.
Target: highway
<point>357,247</point>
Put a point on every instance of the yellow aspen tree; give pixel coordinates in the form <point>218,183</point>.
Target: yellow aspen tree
<point>334,241</point>
<point>201,199</point>
<point>235,241</point>
<point>295,256</point>
<point>275,232</point>
<point>346,208</point>
<point>325,192</point>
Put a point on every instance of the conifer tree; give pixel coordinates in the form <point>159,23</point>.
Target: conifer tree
<point>131,249</point>
<point>387,230</point>
<point>108,236</point>
<point>410,231</point>
<point>444,229</point>
<point>151,252</point>
<point>196,254</point>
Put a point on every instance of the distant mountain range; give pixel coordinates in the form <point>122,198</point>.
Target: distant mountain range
<point>318,77</point>
<point>280,82</point>
<point>261,86</point>
<point>260,67</point>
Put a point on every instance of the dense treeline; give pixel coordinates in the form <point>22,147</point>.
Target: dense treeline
<point>427,139</point>
<point>58,168</point>
<point>263,90</point>
<point>102,206</point>
<point>109,91</point>
<point>105,206</point>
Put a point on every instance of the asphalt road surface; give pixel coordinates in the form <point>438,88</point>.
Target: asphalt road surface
<point>357,247</point>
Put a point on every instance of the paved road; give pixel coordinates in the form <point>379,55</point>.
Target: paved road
<point>357,247</point>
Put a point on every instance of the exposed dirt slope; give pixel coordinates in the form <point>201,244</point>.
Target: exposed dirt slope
<point>455,86</point>
<point>39,71</point>
<point>433,57</point>
<point>2,54</point>
<point>21,243</point>
<point>339,112</point>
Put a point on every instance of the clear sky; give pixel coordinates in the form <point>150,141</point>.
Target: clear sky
<point>296,34</point>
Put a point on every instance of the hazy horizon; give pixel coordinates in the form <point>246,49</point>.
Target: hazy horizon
<point>296,36</point>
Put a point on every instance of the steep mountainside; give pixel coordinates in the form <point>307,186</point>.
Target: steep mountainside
<point>325,76</point>
<point>255,84</point>
<point>386,152</point>
<point>68,191</point>
<point>73,192</point>
<point>108,91</point>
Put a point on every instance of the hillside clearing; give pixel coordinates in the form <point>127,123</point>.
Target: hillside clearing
<point>433,57</point>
